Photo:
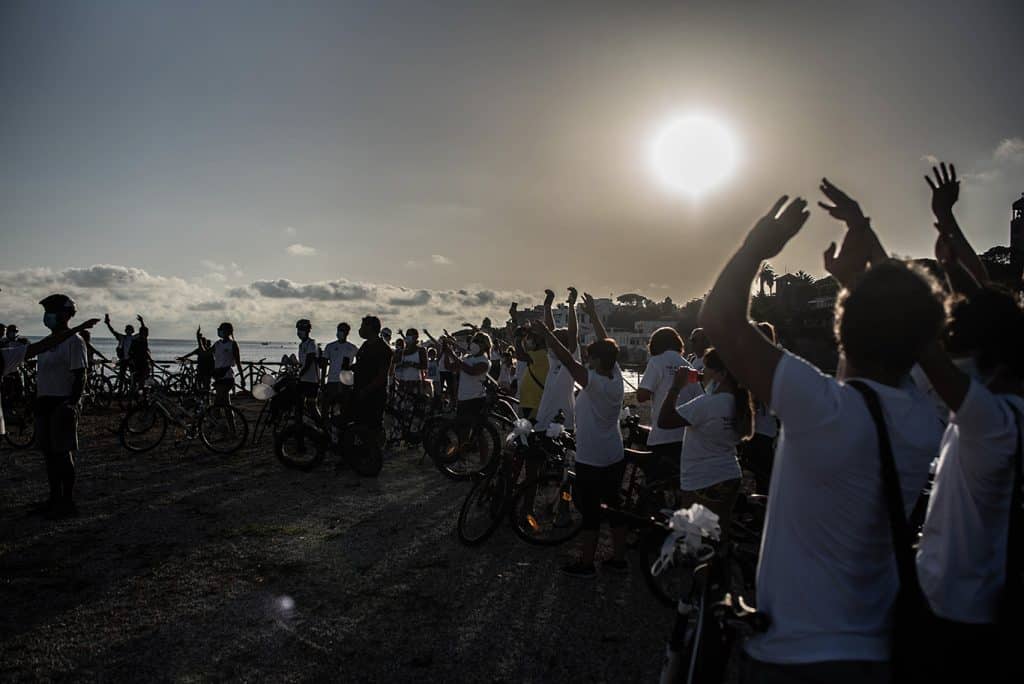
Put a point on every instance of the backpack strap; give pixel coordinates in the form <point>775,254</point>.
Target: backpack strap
<point>901,536</point>
<point>1015,529</point>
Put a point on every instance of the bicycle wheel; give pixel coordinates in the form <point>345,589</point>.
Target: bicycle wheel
<point>101,391</point>
<point>303,452</point>
<point>21,426</point>
<point>361,448</point>
<point>223,429</point>
<point>484,507</point>
<point>143,428</point>
<point>461,457</point>
<point>544,512</point>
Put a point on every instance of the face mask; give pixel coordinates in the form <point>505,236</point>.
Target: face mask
<point>711,387</point>
<point>222,334</point>
<point>302,334</point>
<point>474,349</point>
<point>50,320</point>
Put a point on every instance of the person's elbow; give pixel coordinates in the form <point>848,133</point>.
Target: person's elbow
<point>643,395</point>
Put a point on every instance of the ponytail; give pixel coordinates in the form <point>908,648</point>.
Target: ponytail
<point>743,421</point>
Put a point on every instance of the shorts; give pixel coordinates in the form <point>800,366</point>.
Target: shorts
<point>469,408</point>
<point>56,425</point>
<point>596,485</point>
<point>664,462</point>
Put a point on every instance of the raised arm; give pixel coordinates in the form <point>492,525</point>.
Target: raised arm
<point>574,326</point>
<point>748,354</point>
<point>549,319</point>
<point>948,381</point>
<point>51,341</point>
<point>575,368</point>
<point>591,308</point>
<point>861,247</point>
<point>945,193</point>
<point>117,335</point>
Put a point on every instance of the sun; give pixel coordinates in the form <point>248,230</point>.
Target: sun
<point>693,153</point>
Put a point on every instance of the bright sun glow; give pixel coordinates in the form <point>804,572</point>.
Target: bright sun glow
<point>693,153</point>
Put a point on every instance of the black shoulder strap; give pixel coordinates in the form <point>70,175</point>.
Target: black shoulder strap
<point>529,369</point>
<point>901,537</point>
<point>1014,541</point>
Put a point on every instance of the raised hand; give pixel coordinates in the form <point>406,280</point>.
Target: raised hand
<point>106,318</point>
<point>537,326</point>
<point>682,377</point>
<point>549,297</point>
<point>573,296</point>
<point>773,230</point>
<point>588,305</point>
<point>513,309</point>
<point>850,262</point>
<point>945,191</point>
<point>843,207</point>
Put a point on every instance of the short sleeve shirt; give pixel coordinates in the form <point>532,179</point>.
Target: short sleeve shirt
<point>336,353</point>
<point>308,348</point>
<point>598,434</point>
<point>709,445</point>
<point>55,368</point>
<point>657,379</point>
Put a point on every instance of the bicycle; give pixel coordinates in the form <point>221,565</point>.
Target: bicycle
<point>712,614</point>
<point>535,469</point>
<point>461,447</point>
<point>18,407</point>
<point>304,443</point>
<point>222,429</point>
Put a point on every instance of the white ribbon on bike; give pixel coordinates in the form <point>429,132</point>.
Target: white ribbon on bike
<point>689,527</point>
<point>554,431</point>
<point>521,430</point>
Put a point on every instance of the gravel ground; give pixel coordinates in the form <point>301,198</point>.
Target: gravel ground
<point>194,567</point>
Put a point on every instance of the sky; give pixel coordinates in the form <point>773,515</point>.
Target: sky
<point>431,162</point>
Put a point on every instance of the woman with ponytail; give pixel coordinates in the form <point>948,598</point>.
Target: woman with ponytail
<point>225,355</point>
<point>715,423</point>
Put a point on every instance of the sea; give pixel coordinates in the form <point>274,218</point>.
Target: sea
<point>169,350</point>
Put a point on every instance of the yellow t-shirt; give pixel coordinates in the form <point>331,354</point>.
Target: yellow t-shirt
<point>530,392</point>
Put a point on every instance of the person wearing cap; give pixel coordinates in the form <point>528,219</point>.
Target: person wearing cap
<point>339,355</point>
<point>12,357</point>
<point>309,366</point>
<point>60,381</point>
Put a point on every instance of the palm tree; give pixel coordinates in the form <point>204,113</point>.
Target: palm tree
<point>766,277</point>
<point>805,278</point>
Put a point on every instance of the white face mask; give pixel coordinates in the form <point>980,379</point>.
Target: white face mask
<point>50,320</point>
<point>474,349</point>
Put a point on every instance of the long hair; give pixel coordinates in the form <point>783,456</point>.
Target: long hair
<point>664,339</point>
<point>743,422</point>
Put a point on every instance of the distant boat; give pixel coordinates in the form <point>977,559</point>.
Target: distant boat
<point>265,344</point>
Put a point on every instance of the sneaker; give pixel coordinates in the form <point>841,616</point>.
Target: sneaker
<point>619,567</point>
<point>578,569</point>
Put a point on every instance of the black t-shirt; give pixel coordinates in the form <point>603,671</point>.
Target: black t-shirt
<point>205,362</point>
<point>138,355</point>
<point>372,360</point>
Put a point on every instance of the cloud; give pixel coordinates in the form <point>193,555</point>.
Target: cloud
<point>418,298</point>
<point>299,249</point>
<point>1010,150</point>
<point>240,293</point>
<point>981,177</point>
<point>331,290</point>
<point>440,260</point>
<point>211,305</point>
<point>290,231</point>
<point>931,159</point>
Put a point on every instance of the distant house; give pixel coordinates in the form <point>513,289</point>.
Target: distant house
<point>648,327</point>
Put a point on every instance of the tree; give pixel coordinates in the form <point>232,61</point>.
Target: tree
<point>997,255</point>
<point>766,277</point>
<point>804,278</point>
<point>633,299</point>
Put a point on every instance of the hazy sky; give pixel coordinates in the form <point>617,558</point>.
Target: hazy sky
<point>261,161</point>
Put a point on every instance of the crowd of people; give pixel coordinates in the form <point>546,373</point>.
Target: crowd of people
<point>851,594</point>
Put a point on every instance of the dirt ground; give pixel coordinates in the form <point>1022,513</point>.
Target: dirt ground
<point>196,567</point>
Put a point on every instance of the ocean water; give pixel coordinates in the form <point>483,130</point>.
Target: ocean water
<point>168,350</point>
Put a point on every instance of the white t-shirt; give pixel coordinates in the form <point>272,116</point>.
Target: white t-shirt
<point>126,345</point>
<point>433,369</point>
<point>307,347</point>
<point>224,357</point>
<point>962,558</point>
<point>10,357</point>
<point>558,394</point>
<point>336,353</point>
<point>657,379</point>
<point>598,436</point>
<point>54,376</point>
<point>409,373</point>
<point>827,573</point>
<point>522,367</point>
<point>472,386</point>
<point>709,445</point>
